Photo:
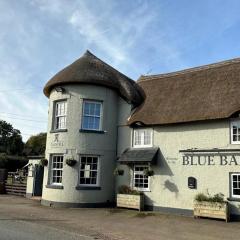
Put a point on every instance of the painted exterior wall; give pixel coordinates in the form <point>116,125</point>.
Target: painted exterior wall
<point>169,185</point>
<point>74,143</point>
<point>30,178</point>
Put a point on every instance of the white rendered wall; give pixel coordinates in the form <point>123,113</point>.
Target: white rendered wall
<point>74,143</point>
<point>169,185</point>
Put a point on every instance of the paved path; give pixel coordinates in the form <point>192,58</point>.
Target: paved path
<point>21,218</point>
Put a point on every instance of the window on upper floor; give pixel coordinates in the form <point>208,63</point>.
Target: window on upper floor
<point>60,115</point>
<point>92,115</point>
<point>235,132</point>
<point>142,138</point>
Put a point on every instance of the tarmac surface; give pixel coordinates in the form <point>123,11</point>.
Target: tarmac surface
<point>24,219</point>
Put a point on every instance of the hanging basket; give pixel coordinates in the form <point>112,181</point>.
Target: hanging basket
<point>148,172</point>
<point>118,172</point>
<point>43,162</point>
<point>71,162</point>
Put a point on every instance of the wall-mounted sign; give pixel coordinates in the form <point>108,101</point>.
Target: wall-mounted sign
<point>192,183</point>
<point>56,142</point>
<point>211,160</point>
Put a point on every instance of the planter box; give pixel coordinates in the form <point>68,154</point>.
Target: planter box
<point>130,201</point>
<point>211,210</point>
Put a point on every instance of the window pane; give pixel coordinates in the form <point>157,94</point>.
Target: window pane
<point>92,108</point>
<point>234,138</point>
<point>236,191</point>
<point>147,137</point>
<point>86,108</point>
<point>97,109</point>
<point>96,123</point>
<point>234,130</point>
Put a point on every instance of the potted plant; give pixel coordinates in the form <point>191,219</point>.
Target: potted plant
<point>43,162</point>
<point>211,206</point>
<point>71,162</point>
<point>130,198</point>
<point>148,172</point>
<point>118,172</point>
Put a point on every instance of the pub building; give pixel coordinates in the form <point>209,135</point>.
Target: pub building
<point>183,125</point>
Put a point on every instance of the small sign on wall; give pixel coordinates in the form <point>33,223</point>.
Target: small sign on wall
<point>192,183</point>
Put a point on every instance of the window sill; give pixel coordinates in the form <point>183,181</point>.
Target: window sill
<point>88,188</point>
<point>142,146</point>
<point>233,199</point>
<point>92,131</point>
<point>54,186</point>
<point>58,130</point>
<point>142,190</point>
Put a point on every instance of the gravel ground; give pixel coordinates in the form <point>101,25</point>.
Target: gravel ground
<point>26,218</point>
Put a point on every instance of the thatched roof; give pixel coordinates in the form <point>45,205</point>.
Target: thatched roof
<point>91,70</point>
<point>202,93</point>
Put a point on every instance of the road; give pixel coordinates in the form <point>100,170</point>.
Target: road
<point>24,219</point>
<point>24,229</point>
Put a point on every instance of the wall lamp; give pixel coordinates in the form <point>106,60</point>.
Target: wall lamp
<point>59,89</point>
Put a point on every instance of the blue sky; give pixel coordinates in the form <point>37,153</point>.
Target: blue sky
<point>39,37</point>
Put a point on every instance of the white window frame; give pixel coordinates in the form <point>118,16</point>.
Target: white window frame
<point>140,173</point>
<point>52,169</point>
<point>94,116</point>
<point>98,172</point>
<point>142,136</point>
<point>58,116</point>
<point>233,123</point>
<point>238,183</point>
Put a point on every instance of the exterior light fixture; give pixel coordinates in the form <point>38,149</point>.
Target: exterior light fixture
<point>59,89</point>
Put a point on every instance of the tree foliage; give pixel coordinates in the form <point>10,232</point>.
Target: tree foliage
<point>10,139</point>
<point>36,145</point>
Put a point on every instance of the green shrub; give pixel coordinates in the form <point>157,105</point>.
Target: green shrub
<point>219,197</point>
<point>200,197</point>
<point>148,172</point>
<point>124,189</point>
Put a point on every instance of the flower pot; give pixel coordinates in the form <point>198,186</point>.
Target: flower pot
<point>130,201</point>
<point>43,162</point>
<point>71,162</point>
<point>217,210</point>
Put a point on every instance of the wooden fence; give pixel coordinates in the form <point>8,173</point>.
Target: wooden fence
<point>16,183</point>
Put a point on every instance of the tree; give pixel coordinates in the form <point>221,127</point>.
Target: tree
<point>10,139</point>
<point>36,145</point>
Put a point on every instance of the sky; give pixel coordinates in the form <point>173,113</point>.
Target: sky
<point>138,37</point>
